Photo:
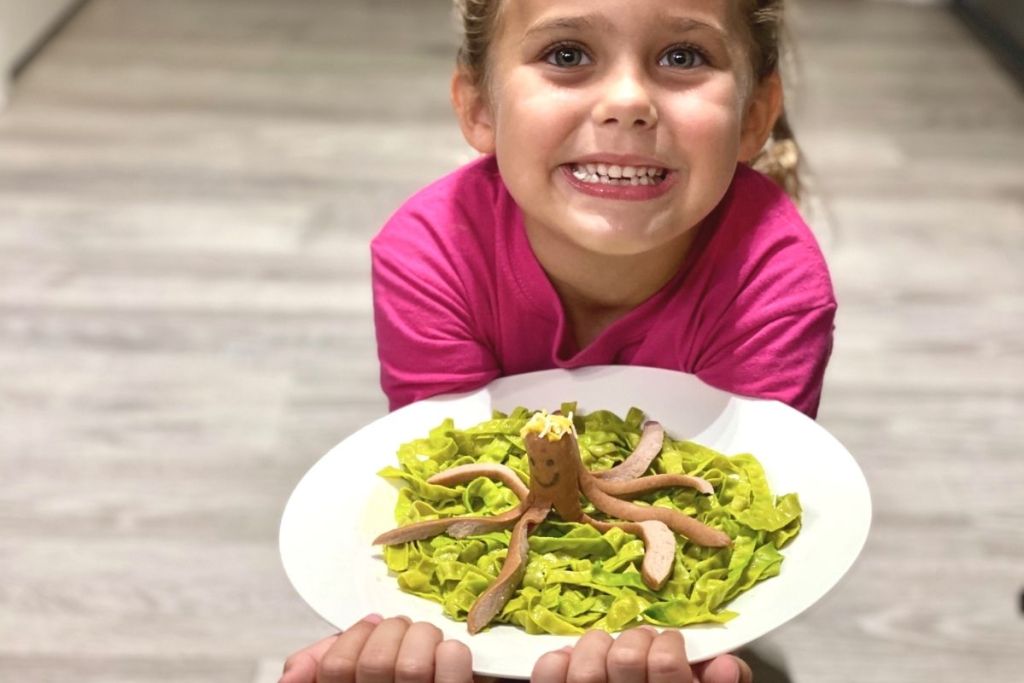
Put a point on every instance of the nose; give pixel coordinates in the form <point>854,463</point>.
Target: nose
<point>626,101</point>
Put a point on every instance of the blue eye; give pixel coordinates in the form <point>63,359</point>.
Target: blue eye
<point>683,58</point>
<point>567,56</point>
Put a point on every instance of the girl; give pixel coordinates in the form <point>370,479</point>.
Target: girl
<point>614,218</point>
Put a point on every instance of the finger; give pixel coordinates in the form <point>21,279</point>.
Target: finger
<point>666,660</point>
<point>453,663</point>
<point>746,674</point>
<point>724,669</point>
<point>380,653</point>
<point>338,663</point>
<point>552,667</point>
<point>300,667</point>
<point>587,663</point>
<point>415,661</point>
<point>627,658</point>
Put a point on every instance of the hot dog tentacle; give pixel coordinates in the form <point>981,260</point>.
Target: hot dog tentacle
<point>654,482</point>
<point>467,473</point>
<point>498,593</point>
<point>696,531</point>
<point>647,449</point>
<point>659,547</point>
<point>457,527</point>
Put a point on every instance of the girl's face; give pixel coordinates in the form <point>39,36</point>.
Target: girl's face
<point>617,124</point>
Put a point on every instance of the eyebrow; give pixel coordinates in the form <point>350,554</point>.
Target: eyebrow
<point>580,23</point>
<point>592,21</point>
<point>716,33</point>
<point>684,24</point>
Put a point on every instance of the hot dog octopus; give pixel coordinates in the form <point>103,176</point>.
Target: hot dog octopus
<point>557,479</point>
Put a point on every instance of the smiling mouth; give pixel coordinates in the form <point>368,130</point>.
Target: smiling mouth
<point>548,484</point>
<point>608,174</point>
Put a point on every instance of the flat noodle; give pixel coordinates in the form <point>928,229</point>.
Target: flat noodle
<point>576,577</point>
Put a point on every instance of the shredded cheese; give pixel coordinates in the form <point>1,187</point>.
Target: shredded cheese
<point>551,427</point>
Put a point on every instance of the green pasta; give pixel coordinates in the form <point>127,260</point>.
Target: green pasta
<point>578,578</point>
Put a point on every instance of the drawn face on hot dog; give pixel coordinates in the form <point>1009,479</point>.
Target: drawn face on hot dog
<point>550,464</point>
<point>551,455</point>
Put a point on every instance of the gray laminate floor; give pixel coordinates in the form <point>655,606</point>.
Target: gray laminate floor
<point>186,194</point>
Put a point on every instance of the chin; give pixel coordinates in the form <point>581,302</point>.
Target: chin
<point>615,240</point>
<point>615,245</point>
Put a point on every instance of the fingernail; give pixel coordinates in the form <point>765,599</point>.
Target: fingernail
<point>649,629</point>
<point>373,618</point>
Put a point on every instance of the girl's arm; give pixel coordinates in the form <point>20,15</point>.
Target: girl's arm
<point>782,357</point>
<point>428,327</point>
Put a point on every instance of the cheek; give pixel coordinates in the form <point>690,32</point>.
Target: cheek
<point>706,124</point>
<point>709,115</point>
<point>710,137</point>
<point>533,119</point>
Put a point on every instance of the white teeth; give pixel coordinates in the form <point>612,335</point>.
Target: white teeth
<point>618,175</point>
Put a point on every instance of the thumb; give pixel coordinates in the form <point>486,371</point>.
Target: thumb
<point>746,675</point>
<point>724,669</point>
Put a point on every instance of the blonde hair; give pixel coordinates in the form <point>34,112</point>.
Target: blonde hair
<point>780,158</point>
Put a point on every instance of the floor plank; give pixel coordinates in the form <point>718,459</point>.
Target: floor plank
<point>187,191</point>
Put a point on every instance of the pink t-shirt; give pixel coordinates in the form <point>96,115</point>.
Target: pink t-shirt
<point>460,298</point>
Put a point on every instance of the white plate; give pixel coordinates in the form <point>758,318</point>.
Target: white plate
<point>341,504</point>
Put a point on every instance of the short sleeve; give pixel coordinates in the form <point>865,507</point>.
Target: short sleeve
<point>782,358</point>
<point>429,339</point>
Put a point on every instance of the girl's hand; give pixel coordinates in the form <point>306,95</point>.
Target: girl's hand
<point>378,650</point>
<point>640,655</point>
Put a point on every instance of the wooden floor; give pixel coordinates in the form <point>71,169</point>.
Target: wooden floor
<point>187,190</point>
